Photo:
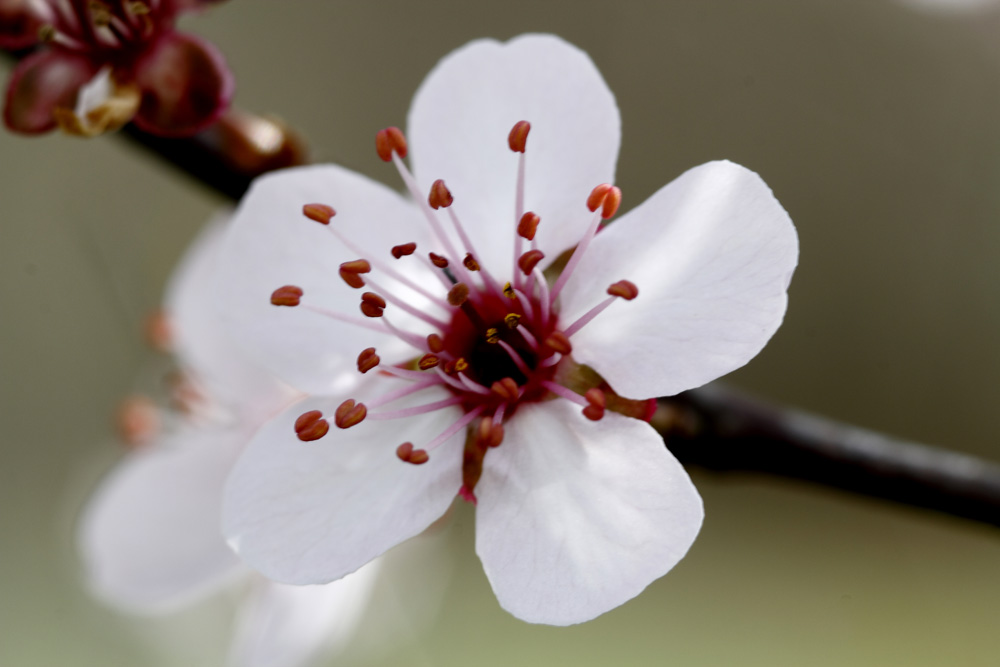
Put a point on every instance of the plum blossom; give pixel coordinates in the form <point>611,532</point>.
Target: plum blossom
<point>150,537</point>
<point>490,336</point>
<point>102,63</point>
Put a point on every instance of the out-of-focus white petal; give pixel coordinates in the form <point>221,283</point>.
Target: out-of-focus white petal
<point>577,517</point>
<point>312,512</point>
<point>712,254</point>
<point>287,626</point>
<point>229,374</point>
<point>272,244</point>
<point>150,537</point>
<point>458,127</point>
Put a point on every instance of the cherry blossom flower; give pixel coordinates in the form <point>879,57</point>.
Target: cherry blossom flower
<point>150,538</point>
<point>106,62</point>
<point>487,359</point>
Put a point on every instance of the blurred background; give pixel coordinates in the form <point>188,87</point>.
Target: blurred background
<point>874,121</point>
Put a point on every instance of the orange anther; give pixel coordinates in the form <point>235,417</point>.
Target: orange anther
<point>607,197</point>
<point>518,137</point>
<point>440,195</point>
<point>624,289</point>
<point>311,426</point>
<point>470,262</point>
<point>458,294</point>
<point>528,225</point>
<point>350,414</point>
<point>372,304</point>
<point>506,389</point>
<point>529,260</point>
<point>350,272</point>
<point>489,434</point>
<point>321,213</point>
<point>368,360</point>
<point>289,295</point>
<point>407,453</point>
<point>435,343</point>
<point>403,250</point>
<point>438,260</point>
<point>558,342</point>
<point>388,140</point>
<point>597,195</point>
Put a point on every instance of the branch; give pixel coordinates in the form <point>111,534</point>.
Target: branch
<point>713,427</point>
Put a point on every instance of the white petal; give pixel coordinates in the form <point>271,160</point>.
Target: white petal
<point>272,244</point>
<point>577,517</point>
<point>150,537</point>
<point>458,127</point>
<point>712,254</point>
<point>287,626</point>
<point>225,370</point>
<point>312,512</point>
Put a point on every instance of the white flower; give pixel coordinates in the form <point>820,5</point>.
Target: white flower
<point>150,538</point>
<point>580,506</point>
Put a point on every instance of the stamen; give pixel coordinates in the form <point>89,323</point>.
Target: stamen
<point>321,213</point>
<point>438,261</point>
<point>440,195</point>
<point>470,262</point>
<point>558,342</point>
<point>372,305</point>
<point>492,335</point>
<point>472,385</point>
<point>403,250</point>
<point>605,197</point>
<point>565,392</point>
<point>368,360</point>
<point>489,433</point>
<point>529,260</point>
<point>403,305</point>
<point>544,300</point>
<point>508,291</point>
<point>518,137</point>
<point>456,427</point>
<point>518,361</point>
<point>595,410</point>
<point>458,294</point>
<point>408,454</point>
<point>528,337</point>
<point>350,414</point>
<point>311,426</point>
<point>435,343</point>
<point>581,248</point>
<point>427,362</point>
<point>624,289</point>
<point>350,271</point>
<point>349,319</point>
<point>512,320</point>
<point>528,226</point>
<point>506,389</point>
<point>416,409</point>
<point>389,141</point>
<point>289,295</point>
<point>401,393</point>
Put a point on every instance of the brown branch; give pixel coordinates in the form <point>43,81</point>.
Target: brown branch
<point>713,427</point>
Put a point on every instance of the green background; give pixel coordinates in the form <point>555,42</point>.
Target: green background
<point>876,126</point>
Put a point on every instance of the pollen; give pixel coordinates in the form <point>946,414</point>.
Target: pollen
<point>289,295</point>
<point>389,141</point>
<point>492,335</point>
<point>321,213</point>
<point>508,291</point>
<point>427,362</point>
<point>512,320</point>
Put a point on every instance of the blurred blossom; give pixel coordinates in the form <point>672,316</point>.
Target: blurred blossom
<point>103,63</point>
<point>150,537</point>
<point>506,383</point>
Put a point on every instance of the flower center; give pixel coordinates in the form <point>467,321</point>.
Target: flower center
<point>498,346</point>
<point>104,28</point>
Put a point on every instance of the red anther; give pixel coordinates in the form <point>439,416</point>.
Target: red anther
<point>403,250</point>
<point>512,320</point>
<point>624,289</point>
<point>611,203</point>
<point>597,196</point>
<point>518,137</point>
<point>289,295</point>
<point>388,140</point>
<point>368,360</point>
<point>350,272</point>
<point>350,414</point>
<point>508,291</point>
<point>458,294</point>
<point>593,413</point>
<point>470,262</point>
<point>506,389</point>
<point>372,304</point>
<point>407,453</point>
<point>528,225</point>
<point>529,260</point>
<point>438,260</point>
<point>595,397</point>
<point>558,342</point>
<point>311,426</point>
<point>440,195</point>
<point>435,343</point>
<point>427,362</point>
<point>321,213</point>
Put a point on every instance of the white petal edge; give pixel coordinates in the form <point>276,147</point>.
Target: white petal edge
<point>712,254</point>
<point>272,244</point>
<point>226,372</point>
<point>150,538</point>
<point>312,512</point>
<point>458,126</point>
<point>577,517</point>
<point>288,626</point>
